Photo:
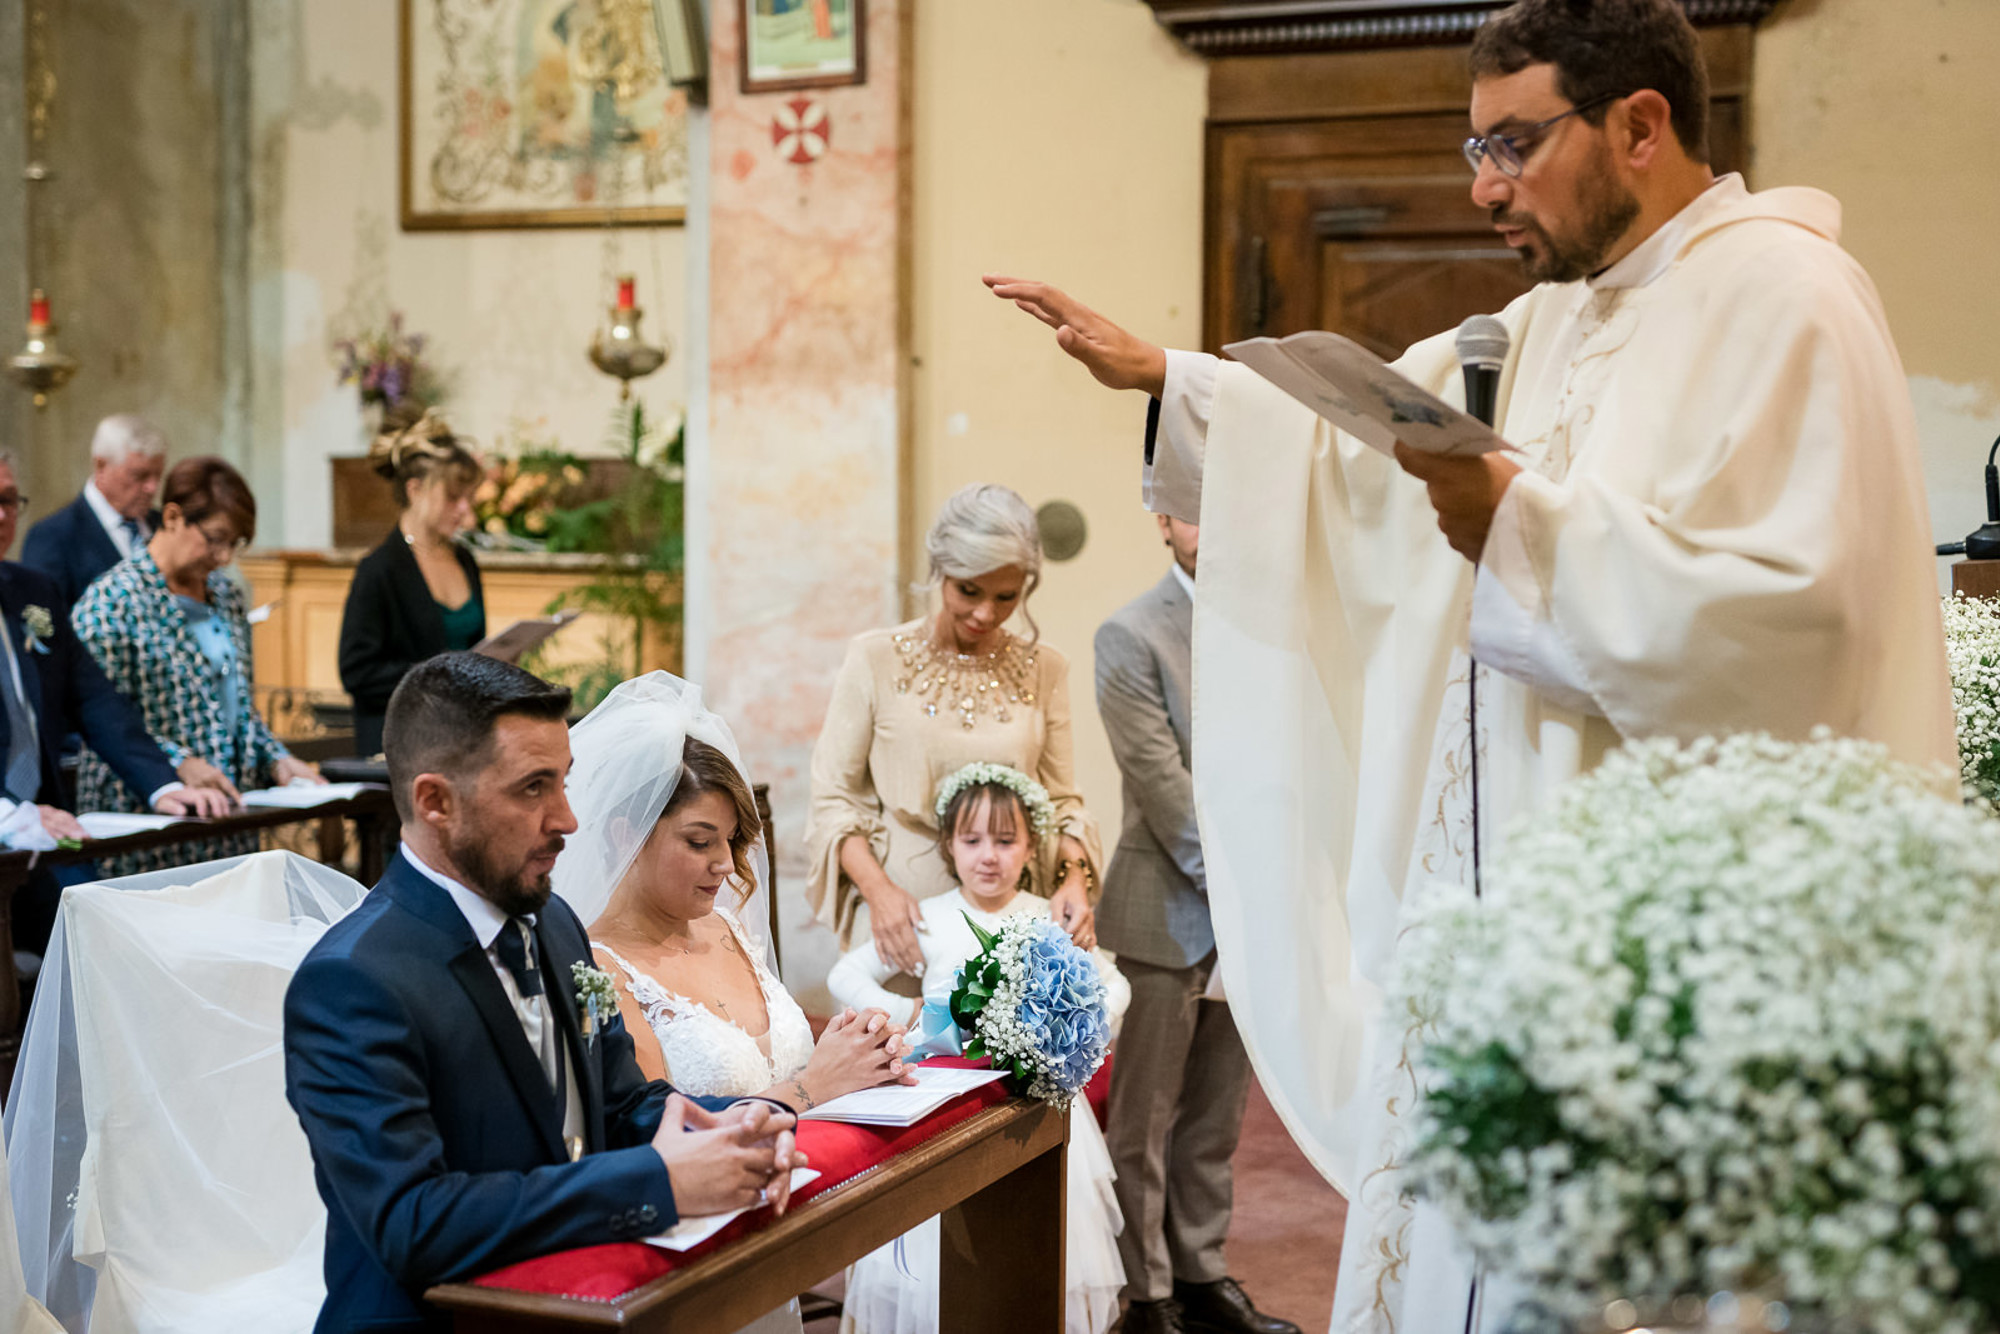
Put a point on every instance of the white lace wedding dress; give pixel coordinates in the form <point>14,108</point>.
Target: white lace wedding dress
<point>709,1056</point>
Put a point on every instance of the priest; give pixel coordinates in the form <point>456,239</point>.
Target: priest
<point>1715,522</point>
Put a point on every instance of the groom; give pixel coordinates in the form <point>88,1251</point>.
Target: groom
<point>461,1117</point>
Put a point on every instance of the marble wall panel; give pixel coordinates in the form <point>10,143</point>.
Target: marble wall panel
<point>805,386</point>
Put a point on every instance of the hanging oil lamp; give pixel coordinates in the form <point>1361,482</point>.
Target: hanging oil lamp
<point>620,350</point>
<point>40,368</point>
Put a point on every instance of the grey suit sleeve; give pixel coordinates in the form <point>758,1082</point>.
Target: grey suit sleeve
<point>1134,709</point>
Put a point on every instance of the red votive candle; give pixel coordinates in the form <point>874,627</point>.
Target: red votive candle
<point>38,307</point>
<point>625,288</point>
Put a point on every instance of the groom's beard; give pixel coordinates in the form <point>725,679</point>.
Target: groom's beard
<point>509,888</point>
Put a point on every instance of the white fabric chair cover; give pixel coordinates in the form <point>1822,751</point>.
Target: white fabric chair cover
<point>160,1180</point>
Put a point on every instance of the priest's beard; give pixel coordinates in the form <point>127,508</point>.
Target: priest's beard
<point>1607,210</point>
<point>507,887</point>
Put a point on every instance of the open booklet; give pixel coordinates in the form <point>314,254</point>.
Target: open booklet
<point>902,1104</point>
<point>298,795</point>
<point>1358,392</point>
<point>691,1232</point>
<point>522,636</point>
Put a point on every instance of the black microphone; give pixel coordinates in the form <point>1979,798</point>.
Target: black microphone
<point>1482,351</point>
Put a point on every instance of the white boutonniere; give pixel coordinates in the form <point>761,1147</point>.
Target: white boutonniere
<point>597,997</point>
<point>40,627</point>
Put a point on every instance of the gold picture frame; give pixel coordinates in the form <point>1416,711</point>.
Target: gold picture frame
<point>508,118</point>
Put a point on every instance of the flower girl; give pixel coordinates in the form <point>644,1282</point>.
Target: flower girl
<point>990,821</point>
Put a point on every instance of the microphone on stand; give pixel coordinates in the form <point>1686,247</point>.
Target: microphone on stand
<point>1482,353</point>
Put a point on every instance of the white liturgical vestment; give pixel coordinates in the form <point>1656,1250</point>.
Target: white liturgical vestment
<point>1721,527</point>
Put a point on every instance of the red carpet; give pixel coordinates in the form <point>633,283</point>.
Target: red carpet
<point>1284,1238</point>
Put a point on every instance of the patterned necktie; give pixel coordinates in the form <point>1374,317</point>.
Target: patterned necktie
<point>135,536</point>
<point>512,944</point>
<point>24,759</point>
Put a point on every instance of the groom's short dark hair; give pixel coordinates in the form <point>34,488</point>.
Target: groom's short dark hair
<point>441,717</point>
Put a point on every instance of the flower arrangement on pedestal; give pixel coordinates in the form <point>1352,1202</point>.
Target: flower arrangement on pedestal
<point>387,365</point>
<point>1726,1017</point>
<point>517,502</point>
<point>1972,648</point>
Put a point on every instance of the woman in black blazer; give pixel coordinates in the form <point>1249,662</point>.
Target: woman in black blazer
<point>418,594</point>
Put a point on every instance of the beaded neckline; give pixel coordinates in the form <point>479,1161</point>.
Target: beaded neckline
<point>970,684</point>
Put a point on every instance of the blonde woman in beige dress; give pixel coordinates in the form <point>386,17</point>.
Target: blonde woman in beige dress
<point>917,702</point>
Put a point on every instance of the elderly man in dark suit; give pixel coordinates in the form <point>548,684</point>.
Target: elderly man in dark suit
<point>1181,1076</point>
<point>112,517</point>
<point>51,687</point>
<point>464,1108</point>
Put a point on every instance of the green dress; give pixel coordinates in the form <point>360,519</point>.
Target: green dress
<point>462,623</point>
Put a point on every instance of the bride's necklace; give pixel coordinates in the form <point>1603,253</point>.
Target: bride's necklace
<point>971,683</point>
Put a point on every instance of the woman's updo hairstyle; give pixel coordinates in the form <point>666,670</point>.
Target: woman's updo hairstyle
<point>982,528</point>
<point>705,769</point>
<point>416,444</point>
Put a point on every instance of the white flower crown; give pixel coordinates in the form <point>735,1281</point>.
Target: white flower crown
<point>1035,797</point>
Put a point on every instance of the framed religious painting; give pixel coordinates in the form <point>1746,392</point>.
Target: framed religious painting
<point>541,113</point>
<point>803,43</point>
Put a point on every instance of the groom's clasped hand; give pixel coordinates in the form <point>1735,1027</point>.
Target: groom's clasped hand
<point>732,1159</point>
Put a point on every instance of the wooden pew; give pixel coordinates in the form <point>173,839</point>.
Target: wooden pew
<point>997,1178</point>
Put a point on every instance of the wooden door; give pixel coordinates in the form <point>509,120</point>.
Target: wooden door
<point>1359,219</point>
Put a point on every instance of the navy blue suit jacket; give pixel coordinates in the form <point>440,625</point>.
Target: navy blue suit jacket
<point>69,693</point>
<point>71,547</point>
<point>436,1140</point>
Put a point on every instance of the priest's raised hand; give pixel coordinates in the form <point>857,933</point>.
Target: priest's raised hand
<point>1118,359</point>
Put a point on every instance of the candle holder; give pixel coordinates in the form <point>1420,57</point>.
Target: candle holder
<point>39,367</point>
<point>620,350</point>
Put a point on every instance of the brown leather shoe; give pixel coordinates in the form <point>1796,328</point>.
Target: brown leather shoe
<point>1162,1317</point>
<point>1222,1307</point>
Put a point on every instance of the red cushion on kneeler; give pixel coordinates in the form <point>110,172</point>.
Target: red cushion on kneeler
<point>837,1151</point>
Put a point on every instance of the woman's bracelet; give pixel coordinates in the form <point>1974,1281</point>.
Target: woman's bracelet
<point>1068,864</point>
<point>804,1097</point>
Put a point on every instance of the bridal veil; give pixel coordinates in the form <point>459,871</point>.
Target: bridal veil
<point>626,763</point>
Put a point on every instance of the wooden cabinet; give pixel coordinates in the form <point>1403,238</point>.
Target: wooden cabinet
<point>297,646</point>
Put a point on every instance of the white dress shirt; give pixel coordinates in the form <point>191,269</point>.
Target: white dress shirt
<point>487,921</point>
<point>113,522</point>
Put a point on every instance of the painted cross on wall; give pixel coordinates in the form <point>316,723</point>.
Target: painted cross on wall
<point>800,130</point>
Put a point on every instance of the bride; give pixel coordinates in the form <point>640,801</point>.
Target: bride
<point>664,868</point>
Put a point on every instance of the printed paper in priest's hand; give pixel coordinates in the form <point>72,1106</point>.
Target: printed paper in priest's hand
<point>1352,388</point>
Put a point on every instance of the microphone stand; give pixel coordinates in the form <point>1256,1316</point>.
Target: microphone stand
<point>1983,543</point>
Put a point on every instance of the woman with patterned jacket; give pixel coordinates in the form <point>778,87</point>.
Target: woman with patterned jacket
<point>170,630</point>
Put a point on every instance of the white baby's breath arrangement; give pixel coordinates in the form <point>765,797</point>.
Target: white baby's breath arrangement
<point>1972,647</point>
<point>1728,1015</point>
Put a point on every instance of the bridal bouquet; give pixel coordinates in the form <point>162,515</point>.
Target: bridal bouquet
<point>1972,647</point>
<point>1727,1017</point>
<point>1032,1001</point>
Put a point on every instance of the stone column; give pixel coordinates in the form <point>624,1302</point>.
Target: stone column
<point>806,464</point>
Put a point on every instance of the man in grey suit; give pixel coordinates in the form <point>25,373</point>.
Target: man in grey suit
<point>1181,1076</point>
